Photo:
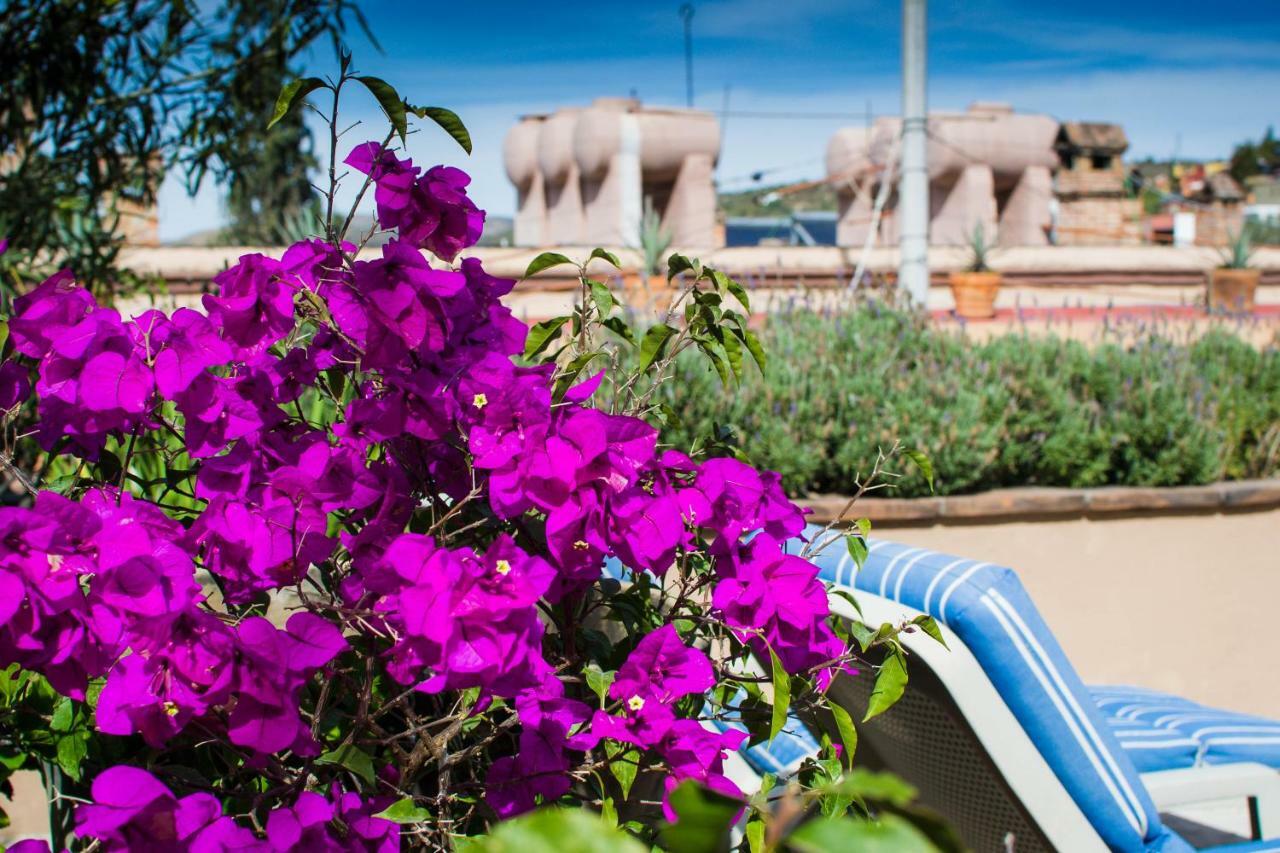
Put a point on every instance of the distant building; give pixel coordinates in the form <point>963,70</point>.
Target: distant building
<point>583,175</point>
<point>1263,200</point>
<point>1094,204</point>
<point>1027,179</point>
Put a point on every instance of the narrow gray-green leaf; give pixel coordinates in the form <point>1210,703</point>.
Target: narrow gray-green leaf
<point>781,696</point>
<point>390,101</point>
<point>293,92</point>
<point>448,121</point>
<point>545,261</point>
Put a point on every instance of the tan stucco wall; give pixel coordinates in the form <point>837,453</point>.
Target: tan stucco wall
<point>1186,604</point>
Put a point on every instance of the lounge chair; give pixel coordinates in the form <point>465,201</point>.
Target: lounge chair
<point>1001,737</point>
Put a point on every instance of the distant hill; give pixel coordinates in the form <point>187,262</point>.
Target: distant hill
<point>749,202</point>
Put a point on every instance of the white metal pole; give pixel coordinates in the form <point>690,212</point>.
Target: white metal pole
<point>913,186</point>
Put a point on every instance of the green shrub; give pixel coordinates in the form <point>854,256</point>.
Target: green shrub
<point>1014,411</point>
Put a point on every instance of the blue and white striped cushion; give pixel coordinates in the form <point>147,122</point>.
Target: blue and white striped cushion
<point>1219,737</point>
<point>987,607</point>
<point>783,755</point>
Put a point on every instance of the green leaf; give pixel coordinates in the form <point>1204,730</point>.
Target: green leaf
<point>655,341</point>
<point>922,462</point>
<point>842,592</point>
<point>620,328</point>
<point>677,264</point>
<point>781,696</point>
<point>889,834</point>
<point>857,549</point>
<point>607,256</point>
<point>403,812</point>
<point>733,287</point>
<point>755,836</point>
<point>703,819</point>
<point>72,750</point>
<point>63,718</point>
<point>609,812</point>
<point>716,361</point>
<point>876,787</point>
<point>541,335</point>
<point>293,92</point>
<point>753,346</point>
<point>448,121</point>
<point>864,526</point>
<point>350,757</point>
<point>848,734</point>
<point>930,626</point>
<point>624,768</point>
<point>891,681</point>
<point>390,101</point>
<point>4,333</point>
<point>599,680</point>
<point>552,830</point>
<point>545,261</point>
<point>601,296</point>
<point>733,351</point>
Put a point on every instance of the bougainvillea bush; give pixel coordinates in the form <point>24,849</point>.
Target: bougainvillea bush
<point>353,560</point>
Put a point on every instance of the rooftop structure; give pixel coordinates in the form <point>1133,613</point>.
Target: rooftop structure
<point>583,175</point>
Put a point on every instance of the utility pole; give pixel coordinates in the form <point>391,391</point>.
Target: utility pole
<point>913,185</point>
<point>686,12</point>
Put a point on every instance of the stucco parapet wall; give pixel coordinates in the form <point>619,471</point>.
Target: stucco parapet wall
<point>1051,503</point>
<point>192,264</point>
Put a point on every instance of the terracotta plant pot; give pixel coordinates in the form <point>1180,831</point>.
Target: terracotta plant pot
<point>1232,290</point>
<point>975,294</point>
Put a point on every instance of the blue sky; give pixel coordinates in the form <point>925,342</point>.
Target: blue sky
<point>1183,77</point>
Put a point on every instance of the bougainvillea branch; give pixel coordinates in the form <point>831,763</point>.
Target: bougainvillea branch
<point>350,558</point>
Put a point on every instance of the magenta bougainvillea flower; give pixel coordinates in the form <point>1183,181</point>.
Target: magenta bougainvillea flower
<point>430,211</point>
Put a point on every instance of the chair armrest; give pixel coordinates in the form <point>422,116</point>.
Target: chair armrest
<point>1190,785</point>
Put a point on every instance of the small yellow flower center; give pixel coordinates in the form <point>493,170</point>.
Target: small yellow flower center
<point>503,567</point>
<point>635,703</point>
<point>580,545</point>
<point>480,401</point>
<point>171,708</point>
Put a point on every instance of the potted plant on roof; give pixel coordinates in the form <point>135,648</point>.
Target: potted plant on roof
<point>1233,284</point>
<point>975,287</point>
<point>648,287</point>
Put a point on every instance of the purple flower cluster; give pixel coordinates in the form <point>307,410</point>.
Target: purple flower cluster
<point>104,587</point>
<point>432,413</point>
<point>430,210</point>
<point>133,811</point>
